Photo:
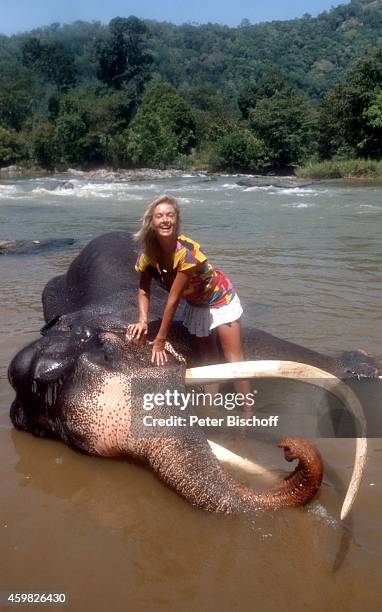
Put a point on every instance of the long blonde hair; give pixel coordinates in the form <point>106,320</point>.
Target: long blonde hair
<point>146,235</point>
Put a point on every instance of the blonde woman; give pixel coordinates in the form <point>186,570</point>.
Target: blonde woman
<point>213,306</point>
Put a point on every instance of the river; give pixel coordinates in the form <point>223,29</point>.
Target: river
<point>307,262</point>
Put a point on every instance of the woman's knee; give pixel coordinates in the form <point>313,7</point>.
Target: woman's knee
<point>230,340</point>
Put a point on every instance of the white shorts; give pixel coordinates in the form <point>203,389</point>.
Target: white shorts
<point>200,320</point>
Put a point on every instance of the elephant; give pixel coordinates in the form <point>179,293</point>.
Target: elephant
<point>75,383</point>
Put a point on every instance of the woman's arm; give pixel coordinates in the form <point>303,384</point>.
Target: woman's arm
<point>158,355</point>
<point>144,296</point>
<point>136,329</point>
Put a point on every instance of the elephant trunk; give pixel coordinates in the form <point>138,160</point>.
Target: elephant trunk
<point>190,468</point>
<point>303,483</point>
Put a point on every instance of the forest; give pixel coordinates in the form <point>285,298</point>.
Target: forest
<point>270,97</point>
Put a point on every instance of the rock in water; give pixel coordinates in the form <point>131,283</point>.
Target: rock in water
<point>22,247</point>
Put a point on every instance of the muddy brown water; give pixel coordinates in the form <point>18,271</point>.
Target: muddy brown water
<point>307,264</point>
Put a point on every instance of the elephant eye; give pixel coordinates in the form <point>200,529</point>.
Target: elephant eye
<point>107,356</point>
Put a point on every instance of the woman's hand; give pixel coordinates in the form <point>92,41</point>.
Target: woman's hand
<point>136,330</point>
<point>158,354</point>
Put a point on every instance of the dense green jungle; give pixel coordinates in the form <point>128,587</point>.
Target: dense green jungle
<point>303,95</point>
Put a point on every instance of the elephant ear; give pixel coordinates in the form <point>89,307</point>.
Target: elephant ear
<point>303,373</point>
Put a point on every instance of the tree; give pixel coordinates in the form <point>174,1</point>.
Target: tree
<point>9,146</point>
<point>240,150</point>
<point>41,145</point>
<point>349,115</point>
<point>245,23</point>
<point>122,58</point>
<point>31,52</point>
<point>373,113</point>
<point>69,138</point>
<point>51,61</point>
<point>213,116</point>
<point>338,123</point>
<point>162,129</point>
<point>16,92</point>
<point>265,87</point>
<point>105,119</point>
<point>286,123</point>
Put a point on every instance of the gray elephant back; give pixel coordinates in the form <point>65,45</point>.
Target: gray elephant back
<point>101,277</point>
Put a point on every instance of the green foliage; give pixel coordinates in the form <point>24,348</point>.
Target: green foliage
<point>265,87</point>
<point>162,129</point>
<point>242,151</point>
<point>350,114</point>
<point>285,121</point>
<point>51,61</point>
<point>373,113</point>
<point>69,138</point>
<point>240,98</point>
<point>312,53</point>
<point>86,130</point>
<point>122,57</point>
<point>203,157</point>
<point>31,52</point>
<point>9,147</point>
<point>40,142</point>
<point>16,91</point>
<point>213,117</point>
<point>341,168</point>
<point>207,98</point>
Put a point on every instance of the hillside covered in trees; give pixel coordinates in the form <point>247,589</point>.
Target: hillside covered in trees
<point>141,93</point>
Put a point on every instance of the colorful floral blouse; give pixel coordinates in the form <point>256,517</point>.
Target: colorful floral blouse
<point>207,287</point>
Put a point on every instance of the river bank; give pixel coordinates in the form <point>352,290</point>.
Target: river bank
<point>135,174</point>
<point>342,168</point>
<point>149,174</point>
<point>67,180</point>
<point>349,170</point>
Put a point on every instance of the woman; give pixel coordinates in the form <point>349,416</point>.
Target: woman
<point>176,260</point>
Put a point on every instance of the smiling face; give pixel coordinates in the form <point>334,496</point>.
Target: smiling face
<point>164,220</point>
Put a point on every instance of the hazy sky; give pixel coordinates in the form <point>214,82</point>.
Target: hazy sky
<point>22,15</point>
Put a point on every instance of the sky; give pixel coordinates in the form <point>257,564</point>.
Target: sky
<point>24,15</point>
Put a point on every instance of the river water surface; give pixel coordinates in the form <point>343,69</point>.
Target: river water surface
<point>307,264</point>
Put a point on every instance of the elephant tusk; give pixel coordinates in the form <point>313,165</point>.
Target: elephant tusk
<point>226,456</point>
<point>304,373</point>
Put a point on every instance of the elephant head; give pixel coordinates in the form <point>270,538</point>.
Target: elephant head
<point>76,383</point>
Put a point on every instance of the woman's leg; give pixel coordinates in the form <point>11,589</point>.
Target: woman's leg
<point>230,340</point>
<point>209,355</point>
